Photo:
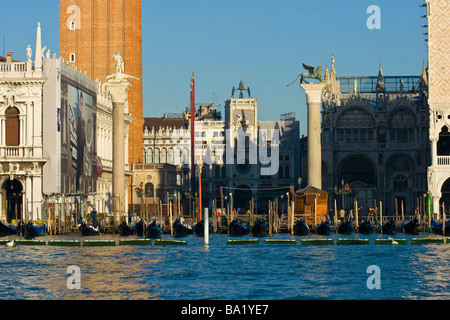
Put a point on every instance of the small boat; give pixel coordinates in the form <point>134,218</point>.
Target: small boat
<point>301,228</point>
<point>237,229</point>
<point>199,228</point>
<point>438,228</point>
<point>87,231</point>
<point>181,230</point>
<point>30,231</point>
<point>260,229</point>
<point>138,229</point>
<point>6,230</point>
<point>125,230</point>
<point>388,227</point>
<point>345,227</point>
<point>153,231</point>
<point>323,228</point>
<point>365,227</point>
<point>410,227</point>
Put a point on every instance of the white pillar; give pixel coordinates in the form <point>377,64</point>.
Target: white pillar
<point>314,101</point>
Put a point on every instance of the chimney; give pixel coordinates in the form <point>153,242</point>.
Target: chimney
<point>9,57</point>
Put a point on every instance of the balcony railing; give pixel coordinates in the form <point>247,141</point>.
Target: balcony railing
<point>443,160</point>
<point>13,67</point>
<point>14,152</point>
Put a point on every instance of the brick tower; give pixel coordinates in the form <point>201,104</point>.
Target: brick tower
<point>91,32</point>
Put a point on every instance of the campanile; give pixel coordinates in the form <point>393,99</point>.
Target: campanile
<point>91,32</point>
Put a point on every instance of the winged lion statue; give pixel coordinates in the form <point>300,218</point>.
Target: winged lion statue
<point>313,73</point>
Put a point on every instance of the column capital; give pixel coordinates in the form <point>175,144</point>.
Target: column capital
<point>314,91</point>
<point>119,90</point>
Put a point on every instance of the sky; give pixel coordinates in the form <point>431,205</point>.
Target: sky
<point>264,42</point>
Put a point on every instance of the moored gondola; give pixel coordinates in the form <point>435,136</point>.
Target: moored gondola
<point>138,229</point>
<point>30,231</point>
<point>365,227</point>
<point>411,227</point>
<point>87,231</point>
<point>237,229</point>
<point>323,228</point>
<point>181,230</point>
<point>388,228</point>
<point>199,228</point>
<point>125,230</point>
<point>260,229</point>
<point>438,228</point>
<point>301,228</point>
<point>153,231</point>
<point>346,227</point>
<point>6,230</point>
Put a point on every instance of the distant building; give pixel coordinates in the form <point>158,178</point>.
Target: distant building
<point>375,139</point>
<point>167,140</point>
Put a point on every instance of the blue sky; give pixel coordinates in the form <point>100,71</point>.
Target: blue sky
<point>264,42</point>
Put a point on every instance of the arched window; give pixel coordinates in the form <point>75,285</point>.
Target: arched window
<point>157,156</point>
<point>149,190</point>
<point>164,156</point>
<point>287,173</point>
<point>170,158</point>
<point>12,127</point>
<point>150,156</point>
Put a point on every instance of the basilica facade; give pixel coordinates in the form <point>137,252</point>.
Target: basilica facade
<point>375,142</point>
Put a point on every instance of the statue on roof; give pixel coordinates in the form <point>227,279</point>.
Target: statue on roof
<point>313,73</point>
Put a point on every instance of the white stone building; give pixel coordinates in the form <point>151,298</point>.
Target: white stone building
<point>21,140</point>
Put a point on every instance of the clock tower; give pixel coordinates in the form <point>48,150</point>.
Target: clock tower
<point>241,126</point>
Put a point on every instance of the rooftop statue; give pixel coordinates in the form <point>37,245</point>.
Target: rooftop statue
<point>313,73</point>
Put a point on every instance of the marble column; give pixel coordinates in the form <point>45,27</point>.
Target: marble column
<point>314,102</point>
<point>118,89</point>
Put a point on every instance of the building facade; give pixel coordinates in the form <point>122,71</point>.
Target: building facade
<point>21,139</point>
<point>375,139</point>
<point>241,158</point>
<point>438,12</point>
<point>91,32</point>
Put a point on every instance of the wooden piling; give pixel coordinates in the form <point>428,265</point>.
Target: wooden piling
<point>356,214</point>
<point>381,217</point>
<point>170,218</point>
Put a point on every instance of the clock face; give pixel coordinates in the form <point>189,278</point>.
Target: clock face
<point>243,168</point>
<point>239,116</point>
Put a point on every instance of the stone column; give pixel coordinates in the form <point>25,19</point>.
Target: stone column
<point>314,101</point>
<point>118,89</point>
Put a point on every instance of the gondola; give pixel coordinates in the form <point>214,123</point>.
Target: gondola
<point>181,230</point>
<point>388,228</point>
<point>87,231</point>
<point>323,228</point>
<point>125,230</point>
<point>365,227</point>
<point>30,231</point>
<point>410,227</point>
<point>138,229</point>
<point>6,230</point>
<point>237,229</point>
<point>301,228</point>
<point>345,227</point>
<point>438,228</point>
<point>199,229</point>
<point>260,229</point>
<point>153,231</point>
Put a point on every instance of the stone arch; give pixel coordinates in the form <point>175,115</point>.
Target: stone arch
<point>358,168</point>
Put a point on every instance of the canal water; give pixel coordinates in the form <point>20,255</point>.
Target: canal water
<point>228,272</point>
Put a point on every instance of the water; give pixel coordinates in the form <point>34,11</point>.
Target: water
<point>223,272</point>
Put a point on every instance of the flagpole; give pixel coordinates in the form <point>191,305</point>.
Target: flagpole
<point>193,135</point>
